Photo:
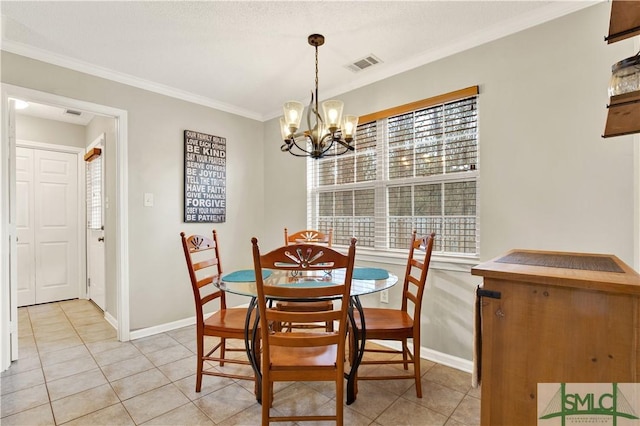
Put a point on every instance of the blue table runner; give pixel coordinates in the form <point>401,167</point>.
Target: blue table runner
<point>370,274</point>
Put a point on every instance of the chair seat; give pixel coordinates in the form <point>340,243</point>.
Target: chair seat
<point>227,321</point>
<point>380,322</point>
<point>315,306</point>
<point>283,358</point>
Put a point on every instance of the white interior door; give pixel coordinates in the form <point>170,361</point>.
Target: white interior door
<point>48,232</point>
<point>95,226</point>
<point>57,251</point>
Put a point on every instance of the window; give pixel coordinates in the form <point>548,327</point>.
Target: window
<point>414,167</point>
<point>94,193</point>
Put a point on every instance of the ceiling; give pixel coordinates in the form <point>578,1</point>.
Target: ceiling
<point>249,57</point>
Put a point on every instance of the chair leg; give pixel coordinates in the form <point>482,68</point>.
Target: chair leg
<point>223,346</point>
<point>200,363</point>
<point>339,401</point>
<point>416,366</point>
<point>405,353</point>
<point>353,344</point>
<point>266,399</point>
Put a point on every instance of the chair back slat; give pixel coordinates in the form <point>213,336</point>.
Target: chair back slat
<point>304,257</point>
<point>206,280</point>
<point>205,264</point>
<point>309,340</point>
<point>313,316</point>
<point>310,236</point>
<point>328,289</point>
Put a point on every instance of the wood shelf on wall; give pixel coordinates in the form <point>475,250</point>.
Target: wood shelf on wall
<point>625,20</point>
<point>623,117</point>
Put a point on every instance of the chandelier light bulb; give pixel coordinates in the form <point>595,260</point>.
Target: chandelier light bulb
<point>349,127</point>
<point>332,114</point>
<point>293,115</point>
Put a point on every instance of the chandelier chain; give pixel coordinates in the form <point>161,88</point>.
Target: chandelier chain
<point>316,79</point>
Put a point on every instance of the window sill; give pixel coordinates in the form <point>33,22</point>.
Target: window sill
<point>439,262</point>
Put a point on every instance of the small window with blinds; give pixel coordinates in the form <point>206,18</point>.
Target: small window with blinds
<point>414,167</point>
<point>94,193</point>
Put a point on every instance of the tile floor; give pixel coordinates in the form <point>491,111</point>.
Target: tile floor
<point>73,371</point>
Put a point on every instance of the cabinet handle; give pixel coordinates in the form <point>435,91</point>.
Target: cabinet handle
<point>489,293</point>
<point>101,239</point>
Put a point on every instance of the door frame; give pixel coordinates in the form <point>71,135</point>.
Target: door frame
<point>81,194</point>
<point>8,295</point>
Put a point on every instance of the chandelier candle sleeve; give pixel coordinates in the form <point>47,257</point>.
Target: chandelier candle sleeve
<point>293,115</point>
<point>332,114</point>
<point>325,136</point>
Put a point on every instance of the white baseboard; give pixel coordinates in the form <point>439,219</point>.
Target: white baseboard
<point>435,356</point>
<point>111,320</point>
<point>157,329</point>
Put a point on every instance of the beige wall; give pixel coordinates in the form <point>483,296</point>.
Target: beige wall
<point>35,129</point>
<point>548,180</point>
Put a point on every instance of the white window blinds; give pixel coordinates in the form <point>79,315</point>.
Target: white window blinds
<point>94,193</point>
<point>411,169</point>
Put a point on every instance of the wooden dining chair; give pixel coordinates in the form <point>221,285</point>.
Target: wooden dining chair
<point>400,324</point>
<point>203,262</point>
<point>304,355</point>
<point>309,236</point>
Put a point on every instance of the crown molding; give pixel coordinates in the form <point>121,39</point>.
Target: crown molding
<point>84,67</point>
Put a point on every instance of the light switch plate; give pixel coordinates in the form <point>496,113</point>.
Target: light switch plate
<point>148,199</point>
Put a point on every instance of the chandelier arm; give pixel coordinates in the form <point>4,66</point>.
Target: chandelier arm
<point>328,147</point>
<point>300,148</point>
<point>299,155</point>
<point>345,144</point>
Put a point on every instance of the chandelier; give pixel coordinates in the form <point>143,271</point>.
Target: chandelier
<point>332,131</point>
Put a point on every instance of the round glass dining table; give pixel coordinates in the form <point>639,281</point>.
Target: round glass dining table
<point>364,281</point>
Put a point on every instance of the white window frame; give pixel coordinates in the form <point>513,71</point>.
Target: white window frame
<point>382,182</point>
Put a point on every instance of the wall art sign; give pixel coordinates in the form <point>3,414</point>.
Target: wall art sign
<point>205,178</point>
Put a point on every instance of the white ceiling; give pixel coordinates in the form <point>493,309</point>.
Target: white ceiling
<point>248,57</point>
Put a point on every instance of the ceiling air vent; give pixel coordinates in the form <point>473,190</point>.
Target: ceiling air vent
<point>73,112</point>
<point>364,63</point>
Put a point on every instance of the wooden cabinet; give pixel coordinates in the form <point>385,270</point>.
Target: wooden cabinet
<point>560,318</point>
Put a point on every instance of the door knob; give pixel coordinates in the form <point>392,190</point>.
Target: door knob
<point>101,239</point>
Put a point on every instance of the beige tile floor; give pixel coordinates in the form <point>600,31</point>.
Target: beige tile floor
<point>73,371</point>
